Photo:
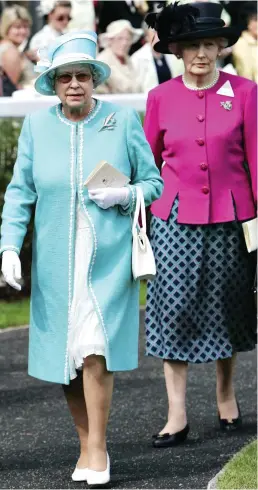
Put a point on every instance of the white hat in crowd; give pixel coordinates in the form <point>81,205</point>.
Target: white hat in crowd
<point>115,28</point>
<point>46,6</point>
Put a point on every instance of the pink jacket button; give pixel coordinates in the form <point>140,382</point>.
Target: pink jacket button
<point>205,190</point>
<point>200,141</point>
<point>204,166</point>
<point>200,94</point>
<point>200,118</point>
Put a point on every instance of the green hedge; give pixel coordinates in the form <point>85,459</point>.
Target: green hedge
<point>9,134</point>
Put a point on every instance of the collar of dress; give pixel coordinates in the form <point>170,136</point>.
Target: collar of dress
<point>87,119</point>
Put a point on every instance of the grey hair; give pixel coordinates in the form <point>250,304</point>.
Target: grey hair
<point>222,42</point>
<point>96,75</point>
<point>176,48</point>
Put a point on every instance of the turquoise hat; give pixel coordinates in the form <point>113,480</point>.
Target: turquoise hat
<point>74,47</point>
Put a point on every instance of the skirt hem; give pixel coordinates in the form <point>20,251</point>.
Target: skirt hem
<point>78,364</point>
<point>199,361</point>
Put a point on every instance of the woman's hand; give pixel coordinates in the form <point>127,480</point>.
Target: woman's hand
<point>32,55</point>
<point>11,268</point>
<point>108,197</point>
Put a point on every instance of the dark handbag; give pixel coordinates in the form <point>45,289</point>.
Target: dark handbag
<point>7,86</point>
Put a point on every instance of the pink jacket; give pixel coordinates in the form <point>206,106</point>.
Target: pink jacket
<point>204,147</point>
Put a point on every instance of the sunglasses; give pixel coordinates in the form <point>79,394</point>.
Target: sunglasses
<point>67,77</point>
<point>61,18</point>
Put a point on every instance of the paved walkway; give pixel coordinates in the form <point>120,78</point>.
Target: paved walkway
<point>38,445</point>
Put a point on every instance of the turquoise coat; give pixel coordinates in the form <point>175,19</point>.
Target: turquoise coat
<point>55,156</point>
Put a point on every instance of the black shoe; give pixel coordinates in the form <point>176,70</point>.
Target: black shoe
<point>231,425</point>
<point>169,440</point>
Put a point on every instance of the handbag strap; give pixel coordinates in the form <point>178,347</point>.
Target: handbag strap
<point>139,209</point>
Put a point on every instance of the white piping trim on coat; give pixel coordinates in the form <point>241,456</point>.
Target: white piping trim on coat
<point>72,164</point>
<point>71,221</point>
<point>92,227</point>
<point>70,288</point>
<point>94,112</point>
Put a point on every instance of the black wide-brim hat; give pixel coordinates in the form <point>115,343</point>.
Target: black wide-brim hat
<point>179,23</point>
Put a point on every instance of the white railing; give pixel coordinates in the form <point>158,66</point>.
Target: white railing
<point>21,104</point>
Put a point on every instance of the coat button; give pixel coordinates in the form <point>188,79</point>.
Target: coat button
<point>200,94</point>
<point>200,118</point>
<point>200,141</point>
<point>204,166</point>
<point>205,190</point>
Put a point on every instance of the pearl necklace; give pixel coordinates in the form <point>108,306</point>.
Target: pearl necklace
<point>205,87</point>
<point>92,107</point>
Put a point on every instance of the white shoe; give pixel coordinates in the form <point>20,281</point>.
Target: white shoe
<point>80,474</point>
<point>97,478</point>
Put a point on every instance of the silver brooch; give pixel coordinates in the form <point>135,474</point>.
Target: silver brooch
<point>227,105</point>
<point>109,122</point>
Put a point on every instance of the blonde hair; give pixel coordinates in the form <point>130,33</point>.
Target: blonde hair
<point>11,15</point>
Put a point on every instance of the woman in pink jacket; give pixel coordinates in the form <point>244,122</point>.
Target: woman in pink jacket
<point>202,130</point>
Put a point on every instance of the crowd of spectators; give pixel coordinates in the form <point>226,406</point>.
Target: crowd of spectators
<point>125,43</point>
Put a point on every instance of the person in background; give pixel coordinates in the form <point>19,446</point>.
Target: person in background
<point>17,69</point>
<point>154,68</point>
<point>132,11</point>
<point>236,10</point>
<point>245,51</point>
<point>117,41</point>
<point>202,131</point>
<point>57,15</point>
<point>83,15</point>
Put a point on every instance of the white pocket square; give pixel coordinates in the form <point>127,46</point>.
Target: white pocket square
<point>226,89</point>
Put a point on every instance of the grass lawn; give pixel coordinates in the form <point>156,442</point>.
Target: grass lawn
<point>16,313</point>
<point>241,471</point>
<point>143,292</point>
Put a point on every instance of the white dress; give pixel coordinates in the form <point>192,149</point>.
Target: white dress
<point>85,336</point>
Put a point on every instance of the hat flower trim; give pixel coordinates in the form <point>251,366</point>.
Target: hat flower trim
<point>44,62</point>
<point>109,122</point>
<point>174,20</point>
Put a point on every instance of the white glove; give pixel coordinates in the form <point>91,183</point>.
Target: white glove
<point>108,197</point>
<point>11,268</point>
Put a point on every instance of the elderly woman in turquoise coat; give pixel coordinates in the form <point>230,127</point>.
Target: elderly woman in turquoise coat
<point>84,320</point>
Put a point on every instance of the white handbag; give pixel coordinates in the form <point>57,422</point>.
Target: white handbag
<point>143,261</point>
<point>250,229</point>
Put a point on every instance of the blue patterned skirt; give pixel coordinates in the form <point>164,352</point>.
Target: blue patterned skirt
<point>200,307</point>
